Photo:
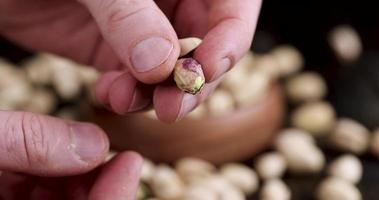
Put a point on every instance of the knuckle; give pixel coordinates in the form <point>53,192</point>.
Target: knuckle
<point>23,139</point>
<point>10,142</point>
<point>35,143</point>
<point>33,140</point>
<point>121,10</point>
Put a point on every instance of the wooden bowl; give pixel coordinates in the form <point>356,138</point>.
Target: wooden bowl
<point>234,137</point>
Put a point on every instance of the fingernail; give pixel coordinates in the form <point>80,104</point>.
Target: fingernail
<point>222,67</point>
<point>88,141</point>
<point>189,102</point>
<point>150,53</point>
<point>139,101</point>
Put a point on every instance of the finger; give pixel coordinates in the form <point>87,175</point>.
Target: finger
<point>197,24</point>
<point>232,26</point>
<point>168,7</point>
<point>103,85</point>
<point>171,104</point>
<point>47,146</point>
<point>118,179</point>
<point>126,95</point>
<point>140,35</point>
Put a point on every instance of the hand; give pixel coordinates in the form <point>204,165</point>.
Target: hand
<point>136,41</point>
<point>48,158</point>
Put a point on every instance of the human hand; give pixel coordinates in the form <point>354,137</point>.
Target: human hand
<point>49,158</point>
<point>135,43</point>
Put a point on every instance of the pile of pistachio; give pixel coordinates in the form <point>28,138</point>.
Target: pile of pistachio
<point>45,82</point>
<point>295,150</point>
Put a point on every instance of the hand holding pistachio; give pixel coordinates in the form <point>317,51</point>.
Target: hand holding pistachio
<point>140,49</point>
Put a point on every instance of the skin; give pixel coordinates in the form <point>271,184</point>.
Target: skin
<point>106,34</point>
<point>103,34</point>
<point>42,158</point>
<point>105,182</point>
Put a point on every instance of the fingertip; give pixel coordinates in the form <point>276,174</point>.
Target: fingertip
<point>132,157</point>
<point>103,85</point>
<point>233,24</point>
<point>167,102</point>
<point>188,103</point>
<point>89,142</point>
<point>67,148</point>
<point>219,51</point>
<point>121,93</point>
<point>140,35</point>
<point>153,59</point>
<point>214,63</point>
<point>172,105</point>
<point>119,178</point>
<point>134,160</point>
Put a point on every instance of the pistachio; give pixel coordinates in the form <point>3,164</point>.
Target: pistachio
<point>88,75</point>
<point>375,143</point>
<point>166,184</point>
<point>316,117</point>
<point>199,112</point>
<point>15,89</point>
<point>69,113</point>
<point>270,165</point>
<point>142,192</point>
<point>147,170</point>
<point>307,86</point>
<point>223,188</point>
<point>335,188</point>
<point>110,155</point>
<point>254,89</point>
<point>41,101</point>
<point>198,192</point>
<point>151,115</point>
<point>241,176</point>
<point>267,64</point>
<point>349,135</point>
<point>65,77</point>
<point>289,59</point>
<point>346,43</point>
<point>38,69</point>
<point>220,103</point>
<point>290,136</point>
<point>275,189</point>
<point>238,75</point>
<point>347,167</point>
<point>193,169</point>
<point>188,44</point>
<point>189,76</point>
<point>300,152</point>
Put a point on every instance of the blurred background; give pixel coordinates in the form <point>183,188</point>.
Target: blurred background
<point>354,90</point>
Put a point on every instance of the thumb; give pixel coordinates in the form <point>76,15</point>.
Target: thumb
<point>140,34</point>
<point>47,146</point>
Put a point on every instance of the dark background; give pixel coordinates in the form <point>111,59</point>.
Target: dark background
<point>354,90</point>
